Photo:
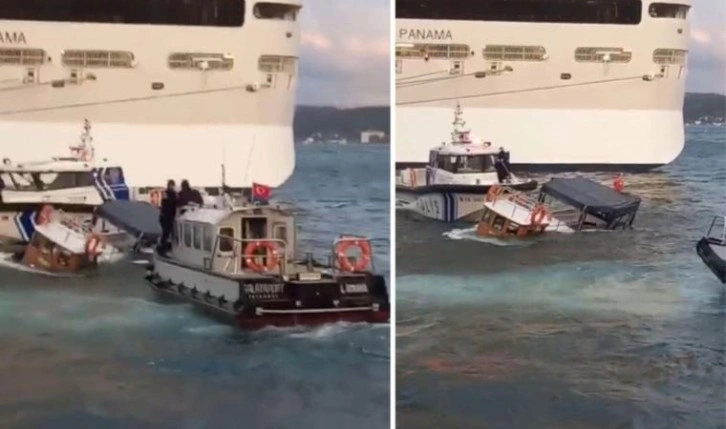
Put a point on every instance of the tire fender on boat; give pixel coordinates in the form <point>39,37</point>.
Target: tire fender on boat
<point>493,193</point>
<point>94,246</point>
<point>45,214</point>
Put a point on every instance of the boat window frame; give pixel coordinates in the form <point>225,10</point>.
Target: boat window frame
<point>225,238</point>
<point>187,234</point>
<point>289,15</point>
<point>208,238</point>
<point>197,235</point>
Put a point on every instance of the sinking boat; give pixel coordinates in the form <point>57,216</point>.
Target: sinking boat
<point>459,175</point>
<point>62,245</point>
<point>712,248</point>
<point>239,261</point>
<point>562,205</point>
<point>75,184</point>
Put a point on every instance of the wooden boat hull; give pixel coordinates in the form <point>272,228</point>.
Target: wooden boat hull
<point>711,258</point>
<point>274,302</point>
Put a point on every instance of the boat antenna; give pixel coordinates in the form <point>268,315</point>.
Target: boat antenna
<point>85,150</point>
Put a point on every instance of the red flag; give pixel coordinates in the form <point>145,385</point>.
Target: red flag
<point>260,192</point>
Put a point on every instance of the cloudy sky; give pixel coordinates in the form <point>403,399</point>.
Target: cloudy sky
<point>707,61</point>
<point>345,51</point>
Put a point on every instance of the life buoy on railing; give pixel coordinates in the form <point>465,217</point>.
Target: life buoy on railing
<point>341,250</point>
<point>155,198</point>
<point>538,215</point>
<point>45,214</point>
<point>494,192</point>
<point>94,246</point>
<point>272,255</point>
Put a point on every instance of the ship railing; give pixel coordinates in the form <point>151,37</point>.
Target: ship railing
<point>365,247</point>
<point>519,201</point>
<point>236,260</point>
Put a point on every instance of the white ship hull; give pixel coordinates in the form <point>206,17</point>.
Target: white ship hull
<point>445,207</point>
<point>167,100</point>
<point>554,139</point>
<point>576,93</point>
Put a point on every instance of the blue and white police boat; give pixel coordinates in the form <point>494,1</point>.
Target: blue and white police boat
<point>453,186</point>
<point>75,184</point>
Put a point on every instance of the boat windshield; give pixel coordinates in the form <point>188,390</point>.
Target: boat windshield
<point>466,164</point>
<point>44,181</point>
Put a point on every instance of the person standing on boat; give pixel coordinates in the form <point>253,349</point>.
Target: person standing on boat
<point>188,195</point>
<point>167,213</point>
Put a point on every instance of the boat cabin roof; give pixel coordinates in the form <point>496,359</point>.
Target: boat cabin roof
<point>587,195</point>
<point>215,216</point>
<point>56,165</point>
<point>464,149</point>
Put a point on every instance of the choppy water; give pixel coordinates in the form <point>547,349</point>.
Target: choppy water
<point>102,353</point>
<point>612,330</point>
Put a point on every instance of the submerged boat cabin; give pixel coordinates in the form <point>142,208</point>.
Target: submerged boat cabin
<point>562,205</point>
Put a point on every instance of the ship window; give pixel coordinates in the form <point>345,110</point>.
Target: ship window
<point>177,233</point>
<point>669,56</point>
<point>97,58</point>
<point>187,234</point>
<point>211,13</point>
<point>514,53</point>
<point>432,51</point>
<point>113,176</point>
<point>285,12</point>
<point>226,242</point>
<point>277,64</point>
<point>561,11</point>
<point>197,61</point>
<point>599,55</point>
<point>23,57</point>
<point>668,10</point>
<point>208,238</point>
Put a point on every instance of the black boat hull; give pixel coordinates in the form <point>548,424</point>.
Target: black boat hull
<point>711,259</point>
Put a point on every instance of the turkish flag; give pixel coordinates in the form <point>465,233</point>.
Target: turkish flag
<point>260,192</point>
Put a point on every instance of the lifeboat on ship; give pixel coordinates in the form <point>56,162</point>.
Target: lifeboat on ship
<point>239,262</point>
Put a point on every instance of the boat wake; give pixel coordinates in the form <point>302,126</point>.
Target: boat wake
<point>470,234</point>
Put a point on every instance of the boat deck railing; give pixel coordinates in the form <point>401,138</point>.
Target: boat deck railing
<point>719,223</point>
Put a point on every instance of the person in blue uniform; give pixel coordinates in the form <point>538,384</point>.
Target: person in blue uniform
<point>167,213</point>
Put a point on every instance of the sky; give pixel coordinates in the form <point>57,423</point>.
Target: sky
<point>707,56</point>
<point>345,53</point>
<point>346,47</point>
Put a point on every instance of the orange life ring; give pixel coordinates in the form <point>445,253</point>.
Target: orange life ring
<point>273,256</point>
<point>94,245</point>
<point>341,251</point>
<point>155,198</point>
<point>493,193</point>
<point>538,215</point>
<point>44,215</point>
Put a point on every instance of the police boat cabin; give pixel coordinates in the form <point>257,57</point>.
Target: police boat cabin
<point>240,262</point>
<point>459,174</point>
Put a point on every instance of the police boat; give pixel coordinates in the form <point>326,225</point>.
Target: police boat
<point>712,248</point>
<point>75,184</point>
<point>239,261</point>
<point>460,173</point>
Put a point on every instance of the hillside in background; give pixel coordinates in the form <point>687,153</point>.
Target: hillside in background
<point>698,106</point>
<point>345,123</point>
<point>332,122</point>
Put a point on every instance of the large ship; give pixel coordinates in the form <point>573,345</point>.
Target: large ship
<point>563,84</point>
<point>174,88</point>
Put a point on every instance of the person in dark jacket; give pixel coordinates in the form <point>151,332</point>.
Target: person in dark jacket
<point>167,213</point>
<point>188,195</point>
